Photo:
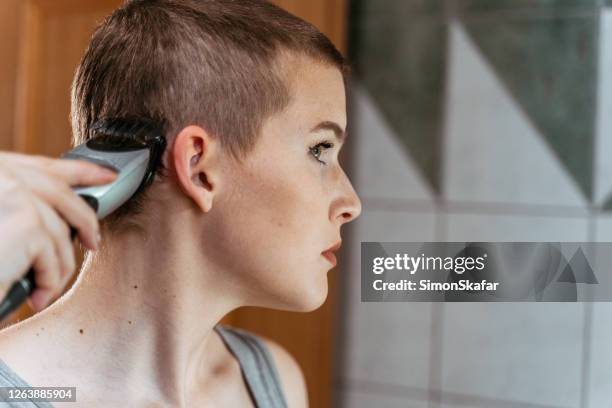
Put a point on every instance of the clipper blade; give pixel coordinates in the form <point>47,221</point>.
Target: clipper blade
<point>126,134</point>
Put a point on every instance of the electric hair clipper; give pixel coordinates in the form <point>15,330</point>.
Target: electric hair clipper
<point>130,147</point>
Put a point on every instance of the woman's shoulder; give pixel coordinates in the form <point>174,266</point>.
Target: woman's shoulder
<point>281,362</point>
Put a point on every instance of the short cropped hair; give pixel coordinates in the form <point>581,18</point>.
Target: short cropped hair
<point>211,63</point>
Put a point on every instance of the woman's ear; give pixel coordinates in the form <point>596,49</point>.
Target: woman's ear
<point>193,155</point>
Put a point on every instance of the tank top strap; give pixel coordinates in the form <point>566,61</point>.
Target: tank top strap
<point>9,378</point>
<point>257,366</point>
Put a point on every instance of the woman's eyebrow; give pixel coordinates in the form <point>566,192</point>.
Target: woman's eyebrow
<point>333,126</point>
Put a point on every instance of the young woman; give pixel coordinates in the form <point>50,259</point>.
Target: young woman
<point>247,210</point>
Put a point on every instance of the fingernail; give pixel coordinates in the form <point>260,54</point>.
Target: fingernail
<point>98,240</point>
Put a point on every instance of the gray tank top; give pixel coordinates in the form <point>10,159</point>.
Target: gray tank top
<point>256,363</point>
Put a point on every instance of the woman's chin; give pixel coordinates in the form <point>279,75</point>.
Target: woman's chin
<point>313,297</point>
<point>301,291</point>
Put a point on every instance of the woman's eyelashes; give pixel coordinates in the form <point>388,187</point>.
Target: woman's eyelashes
<point>317,150</point>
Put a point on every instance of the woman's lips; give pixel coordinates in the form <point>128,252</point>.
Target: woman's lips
<point>331,257</point>
<point>329,253</point>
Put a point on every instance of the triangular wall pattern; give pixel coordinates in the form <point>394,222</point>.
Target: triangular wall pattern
<point>493,151</point>
<point>549,66</point>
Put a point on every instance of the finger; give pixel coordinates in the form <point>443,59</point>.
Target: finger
<point>19,221</point>
<point>46,263</point>
<point>69,206</point>
<point>67,278</point>
<point>80,172</point>
<point>73,172</point>
<point>60,234</point>
<point>40,298</point>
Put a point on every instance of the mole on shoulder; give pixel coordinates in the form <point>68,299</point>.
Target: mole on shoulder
<point>129,321</point>
<point>81,331</point>
<point>135,286</point>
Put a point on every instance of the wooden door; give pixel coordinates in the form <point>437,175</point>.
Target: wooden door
<point>41,42</point>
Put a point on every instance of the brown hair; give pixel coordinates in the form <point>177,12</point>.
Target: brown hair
<point>211,63</point>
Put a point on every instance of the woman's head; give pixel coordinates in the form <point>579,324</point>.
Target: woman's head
<point>268,219</point>
<point>255,110</point>
<point>192,62</point>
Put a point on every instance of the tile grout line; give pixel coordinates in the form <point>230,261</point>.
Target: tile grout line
<point>586,355</point>
<point>441,224</point>
<point>474,207</point>
<point>526,13</point>
<point>406,392</point>
<point>587,332</point>
<point>436,352</point>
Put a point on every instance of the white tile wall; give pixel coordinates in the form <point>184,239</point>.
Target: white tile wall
<point>528,352</point>
<point>493,153</point>
<point>497,355</point>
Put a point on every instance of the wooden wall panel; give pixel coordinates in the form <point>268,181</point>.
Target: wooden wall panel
<point>53,38</point>
<point>9,26</point>
<point>329,16</point>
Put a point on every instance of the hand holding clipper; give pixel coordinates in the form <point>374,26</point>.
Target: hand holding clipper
<point>131,147</point>
<point>36,205</point>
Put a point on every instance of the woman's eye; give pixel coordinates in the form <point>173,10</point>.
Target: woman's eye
<point>317,150</point>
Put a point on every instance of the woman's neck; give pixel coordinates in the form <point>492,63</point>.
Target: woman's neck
<point>140,314</point>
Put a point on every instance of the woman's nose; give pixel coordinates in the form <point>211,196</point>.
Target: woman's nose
<point>348,205</point>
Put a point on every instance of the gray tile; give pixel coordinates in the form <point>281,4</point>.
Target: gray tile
<point>540,61</point>
<point>469,401</point>
<point>362,9</point>
<point>389,342</point>
<point>599,377</point>
<point>514,228</point>
<point>603,159</point>
<point>356,399</point>
<point>402,67</point>
<point>384,169</point>
<point>472,6</point>
<point>526,352</point>
<point>493,153</point>
<point>607,204</point>
<point>603,228</point>
<point>600,373</point>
